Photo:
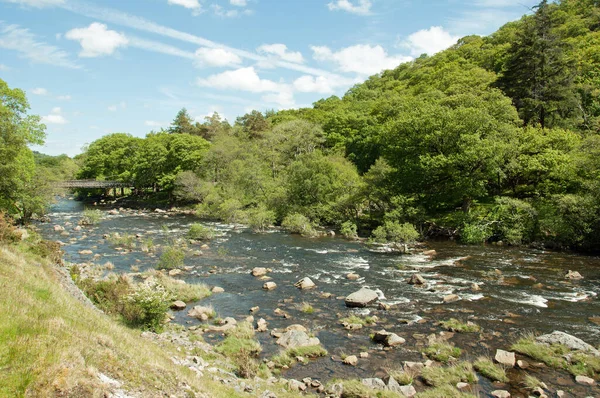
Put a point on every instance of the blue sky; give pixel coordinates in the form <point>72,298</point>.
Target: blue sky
<point>93,67</point>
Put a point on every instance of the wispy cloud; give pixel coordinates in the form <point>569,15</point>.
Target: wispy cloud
<point>359,7</point>
<point>21,40</point>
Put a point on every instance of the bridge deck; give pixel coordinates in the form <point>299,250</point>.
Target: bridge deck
<point>92,184</point>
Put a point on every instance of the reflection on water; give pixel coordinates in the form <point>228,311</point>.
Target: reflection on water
<point>521,289</point>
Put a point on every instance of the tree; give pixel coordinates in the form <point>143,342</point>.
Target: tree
<point>182,123</point>
<point>538,76</point>
<point>17,168</point>
<point>253,124</point>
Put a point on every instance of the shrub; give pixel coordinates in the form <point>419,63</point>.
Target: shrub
<point>48,249</point>
<point>297,223</point>
<point>8,232</point>
<point>349,230</point>
<point>171,258</point>
<point>107,294</point>
<point>475,233</point>
<point>91,217</point>
<point>260,218</point>
<point>200,232</point>
<point>394,232</point>
<point>147,307</point>
<point>231,211</point>
<point>127,241</point>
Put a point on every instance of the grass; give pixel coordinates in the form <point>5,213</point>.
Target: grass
<point>445,391</point>
<point>171,258</point>
<point>442,351</point>
<point>242,349</point>
<point>53,345</point>
<point>307,308</point>
<point>454,325</point>
<point>91,217</point>
<point>403,377</point>
<point>179,290</point>
<point>531,382</point>
<point>579,364</point>
<point>288,357</point>
<point>440,375</point>
<point>353,319</point>
<point>127,241</point>
<point>355,389</point>
<point>489,369</point>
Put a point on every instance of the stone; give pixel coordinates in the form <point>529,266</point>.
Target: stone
<point>388,339</point>
<point>226,324</point>
<point>217,289</point>
<point>475,287</point>
<point>364,354</point>
<point>361,298</point>
<point>573,275</point>
<point>451,298</point>
<point>261,325</point>
<point>391,384</point>
<point>335,390</point>
<point>295,385</point>
<point>296,327</point>
<point>522,364</point>
<point>269,286</point>
<point>297,338</point>
<point>58,228</point>
<point>416,279</point>
<point>500,394</point>
<point>408,391</point>
<point>572,342</point>
<point>86,252</point>
<point>174,272</point>
<point>505,358</point>
<point>462,386</point>
<point>560,394</point>
<point>352,360</point>
<point>254,309</point>
<point>413,366</point>
<point>374,383</point>
<point>305,283</point>
<point>77,228</point>
<point>352,276</point>
<point>384,306</point>
<point>585,380</point>
<point>259,271</point>
<point>178,305</point>
<point>113,212</point>
<point>199,310</point>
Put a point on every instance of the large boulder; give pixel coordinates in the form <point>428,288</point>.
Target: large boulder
<point>573,275</point>
<point>269,286</point>
<point>297,338</point>
<point>565,339</point>
<point>178,305</point>
<point>361,298</point>
<point>505,358</point>
<point>259,271</point>
<point>388,339</point>
<point>305,283</point>
<point>416,279</point>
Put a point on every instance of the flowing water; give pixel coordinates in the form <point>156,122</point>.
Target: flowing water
<point>510,301</point>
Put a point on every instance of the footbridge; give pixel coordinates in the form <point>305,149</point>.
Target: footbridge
<point>91,184</point>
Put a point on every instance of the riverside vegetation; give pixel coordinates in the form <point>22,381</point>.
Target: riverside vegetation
<point>495,139</point>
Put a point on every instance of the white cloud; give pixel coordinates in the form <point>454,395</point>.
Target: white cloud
<point>13,37</point>
<point>38,3</point>
<point>282,52</point>
<point>361,7</point>
<point>239,3</point>
<point>361,58</point>
<point>221,12</point>
<point>96,40</point>
<point>283,99</point>
<point>114,108</point>
<point>39,91</point>
<point>55,117</point>
<point>64,98</point>
<point>244,79</point>
<point>321,84</point>
<point>153,123</point>
<point>193,5</point>
<point>429,41</point>
<point>216,57</point>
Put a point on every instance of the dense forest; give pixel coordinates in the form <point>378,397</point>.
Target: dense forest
<point>495,139</point>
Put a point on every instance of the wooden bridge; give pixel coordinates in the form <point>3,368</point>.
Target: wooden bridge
<point>92,184</point>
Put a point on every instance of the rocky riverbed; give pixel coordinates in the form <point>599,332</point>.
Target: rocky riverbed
<point>344,295</point>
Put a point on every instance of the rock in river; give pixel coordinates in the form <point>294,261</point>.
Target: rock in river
<point>259,271</point>
<point>269,286</point>
<point>416,279</point>
<point>361,298</point>
<point>297,338</point>
<point>388,339</point>
<point>573,275</point>
<point>505,358</point>
<point>572,342</point>
<point>305,283</point>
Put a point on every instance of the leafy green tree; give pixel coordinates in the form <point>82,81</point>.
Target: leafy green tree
<point>111,157</point>
<point>182,124</point>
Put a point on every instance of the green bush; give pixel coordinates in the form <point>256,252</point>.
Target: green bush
<point>260,218</point>
<point>147,307</point>
<point>171,258</point>
<point>297,223</point>
<point>91,217</point>
<point>394,232</point>
<point>127,241</point>
<point>200,232</point>
<point>349,230</point>
<point>475,233</point>
<point>8,233</point>
<point>48,249</point>
<point>231,211</point>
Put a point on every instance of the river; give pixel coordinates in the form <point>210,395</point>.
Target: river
<point>510,302</point>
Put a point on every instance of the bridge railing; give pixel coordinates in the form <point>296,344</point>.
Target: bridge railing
<point>92,184</point>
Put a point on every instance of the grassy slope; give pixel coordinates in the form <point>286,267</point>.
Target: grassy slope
<point>53,345</point>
